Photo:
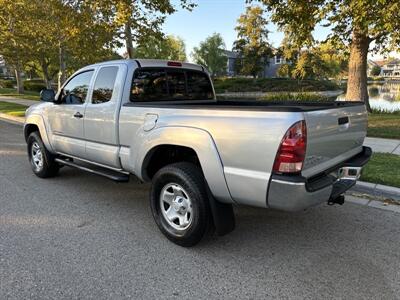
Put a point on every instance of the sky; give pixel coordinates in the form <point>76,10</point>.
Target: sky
<point>216,16</point>
<point>220,16</point>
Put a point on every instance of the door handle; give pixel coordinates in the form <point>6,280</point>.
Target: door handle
<point>78,115</point>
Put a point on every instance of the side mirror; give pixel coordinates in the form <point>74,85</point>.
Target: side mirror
<point>47,95</point>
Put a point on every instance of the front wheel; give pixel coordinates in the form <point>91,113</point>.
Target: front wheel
<point>179,203</point>
<point>42,161</point>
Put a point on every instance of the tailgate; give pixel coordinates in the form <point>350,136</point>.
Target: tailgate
<point>333,135</point>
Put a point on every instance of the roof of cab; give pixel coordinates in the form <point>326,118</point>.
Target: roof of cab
<point>149,63</point>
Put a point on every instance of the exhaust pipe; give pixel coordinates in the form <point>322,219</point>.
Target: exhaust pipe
<point>338,200</point>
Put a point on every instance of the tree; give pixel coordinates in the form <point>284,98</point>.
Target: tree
<point>252,42</point>
<point>211,54</point>
<point>13,43</point>
<point>170,47</point>
<point>132,20</point>
<point>310,66</point>
<point>356,23</point>
<point>376,71</point>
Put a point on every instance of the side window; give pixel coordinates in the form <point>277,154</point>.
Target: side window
<point>149,85</point>
<point>75,92</point>
<point>104,85</point>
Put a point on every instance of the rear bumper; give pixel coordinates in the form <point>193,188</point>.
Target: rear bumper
<point>294,193</point>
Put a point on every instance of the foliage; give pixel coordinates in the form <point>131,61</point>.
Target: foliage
<point>7,83</point>
<point>375,71</point>
<point>170,47</point>
<point>134,20</point>
<point>211,54</point>
<point>34,86</point>
<point>296,97</point>
<point>231,85</point>
<point>356,23</point>
<point>284,71</point>
<point>310,66</point>
<point>252,42</point>
<point>383,168</point>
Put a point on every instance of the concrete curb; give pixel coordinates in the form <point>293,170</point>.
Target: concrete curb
<point>377,190</point>
<point>13,119</point>
<point>373,203</point>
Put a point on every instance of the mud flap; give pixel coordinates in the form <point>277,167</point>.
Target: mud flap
<point>223,216</point>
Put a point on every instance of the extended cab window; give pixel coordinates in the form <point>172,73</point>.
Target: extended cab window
<point>75,91</point>
<point>169,84</point>
<point>104,85</point>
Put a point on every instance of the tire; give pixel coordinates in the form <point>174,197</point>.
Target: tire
<point>41,160</point>
<point>179,203</point>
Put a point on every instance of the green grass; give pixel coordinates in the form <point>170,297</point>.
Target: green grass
<point>29,95</point>
<point>225,84</point>
<point>384,126</point>
<point>13,109</point>
<point>383,168</point>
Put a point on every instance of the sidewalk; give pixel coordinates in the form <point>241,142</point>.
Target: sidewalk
<point>383,145</point>
<point>18,101</point>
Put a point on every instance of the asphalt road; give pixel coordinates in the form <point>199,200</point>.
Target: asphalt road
<point>82,236</point>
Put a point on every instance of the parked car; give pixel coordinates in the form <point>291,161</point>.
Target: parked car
<point>160,121</point>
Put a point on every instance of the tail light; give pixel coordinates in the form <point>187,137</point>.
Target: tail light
<point>292,150</point>
<point>174,64</point>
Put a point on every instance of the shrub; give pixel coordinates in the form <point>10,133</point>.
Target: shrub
<point>34,86</point>
<point>310,97</point>
<point>7,84</point>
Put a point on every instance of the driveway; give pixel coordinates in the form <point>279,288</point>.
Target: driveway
<point>82,236</point>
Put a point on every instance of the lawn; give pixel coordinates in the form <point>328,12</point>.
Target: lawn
<point>30,95</point>
<point>13,109</point>
<point>383,168</point>
<point>384,125</point>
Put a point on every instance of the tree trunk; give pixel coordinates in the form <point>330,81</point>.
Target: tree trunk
<point>46,76</point>
<point>62,73</point>
<point>128,40</point>
<point>357,79</point>
<point>20,81</point>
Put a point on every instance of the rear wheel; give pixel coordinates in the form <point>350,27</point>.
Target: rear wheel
<point>179,203</point>
<point>42,161</point>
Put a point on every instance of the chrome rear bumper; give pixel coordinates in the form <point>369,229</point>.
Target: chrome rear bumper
<point>294,193</point>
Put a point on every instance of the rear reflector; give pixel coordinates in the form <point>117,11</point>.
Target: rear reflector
<point>292,150</point>
<point>174,64</point>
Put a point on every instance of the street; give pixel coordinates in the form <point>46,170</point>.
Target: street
<point>82,236</point>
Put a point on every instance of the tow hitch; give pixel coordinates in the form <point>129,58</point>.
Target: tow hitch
<point>338,200</point>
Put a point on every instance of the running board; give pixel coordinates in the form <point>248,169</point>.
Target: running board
<point>119,177</point>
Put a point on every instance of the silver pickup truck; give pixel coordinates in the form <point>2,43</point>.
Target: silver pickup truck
<point>160,121</point>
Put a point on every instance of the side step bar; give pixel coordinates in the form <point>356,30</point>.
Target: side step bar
<point>119,177</point>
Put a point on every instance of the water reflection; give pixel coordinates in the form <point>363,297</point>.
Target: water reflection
<point>383,96</point>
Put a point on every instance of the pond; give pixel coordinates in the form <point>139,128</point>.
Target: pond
<point>384,96</point>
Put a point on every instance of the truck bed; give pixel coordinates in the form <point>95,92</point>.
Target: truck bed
<point>255,105</point>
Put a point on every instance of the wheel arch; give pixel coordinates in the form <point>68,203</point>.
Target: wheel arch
<point>36,123</point>
<point>193,143</point>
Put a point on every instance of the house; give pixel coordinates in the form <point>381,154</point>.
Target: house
<point>4,69</point>
<point>389,68</point>
<point>270,69</point>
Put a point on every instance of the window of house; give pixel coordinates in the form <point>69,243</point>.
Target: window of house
<point>278,60</point>
<point>104,85</point>
<point>75,91</point>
